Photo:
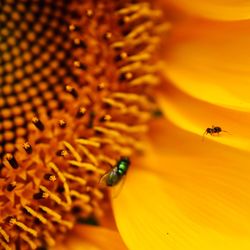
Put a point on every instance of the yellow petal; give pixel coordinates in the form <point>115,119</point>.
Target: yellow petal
<point>216,9</point>
<point>195,116</point>
<point>182,197</point>
<point>210,61</point>
<point>92,238</point>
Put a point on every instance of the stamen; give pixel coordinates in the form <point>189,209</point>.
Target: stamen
<point>66,223</point>
<point>126,128</point>
<point>64,181</point>
<point>27,147</point>
<point>12,161</point>
<point>114,103</point>
<point>28,241</point>
<point>54,197</point>
<point>38,123</point>
<point>85,165</point>
<point>146,79</point>
<point>83,197</point>
<point>50,177</point>
<point>4,234</point>
<point>72,27</point>
<point>62,123</point>
<point>49,240</point>
<point>35,214</point>
<point>141,99</point>
<point>81,112</point>
<point>22,226</point>
<point>4,245</point>
<point>140,29</point>
<point>89,13</point>
<point>132,8</point>
<point>69,89</point>
<point>107,36</point>
<point>61,153</point>
<point>79,65</point>
<point>106,159</point>
<point>139,57</point>
<point>88,142</point>
<point>75,178</point>
<point>51,212</point>
<point>72,151</point>
<point>90,156</point>
<point>99,195</point>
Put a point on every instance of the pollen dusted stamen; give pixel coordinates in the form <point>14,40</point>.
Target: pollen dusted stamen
<point>81,112</point>
<point>38,123</point>
<point>93,105</point>
<point>71,91</point>
<point>62,123</point>
<point>12,160</point>
<point>27,147</point>
<point>22,226</point>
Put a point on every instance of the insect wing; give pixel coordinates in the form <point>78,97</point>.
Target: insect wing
<point>104,178</point>
<point>116,190</point>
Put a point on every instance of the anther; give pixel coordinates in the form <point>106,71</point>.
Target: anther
<point>79,43</point>
<point>123,20</point>
<point>89,13</point>
<point>27,147</point>
<point>12,160</point>
<point>81,112</point>
<point>50,177</point>
<point>71,91</point>
<point>72,27</point>
<point>38,123</point>
<point>11,186</point>
<point>105,118</point>
<point>121,56</point>
<point>40,195</point>
<point>61,152</point>
<point>100,86</point>
<point>126,76</point>
<point>62,123</point>
<point>107,36</point>
<point>80,65</point>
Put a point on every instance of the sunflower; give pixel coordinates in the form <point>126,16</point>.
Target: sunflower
<point>91,90</point>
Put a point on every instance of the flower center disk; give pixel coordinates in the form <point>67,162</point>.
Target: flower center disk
<point>83,98</point>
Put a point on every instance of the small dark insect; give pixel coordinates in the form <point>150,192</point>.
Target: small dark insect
<point>213,130</point>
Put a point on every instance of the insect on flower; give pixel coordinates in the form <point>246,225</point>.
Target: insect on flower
<point>213,130</point>
<point>116,175</point>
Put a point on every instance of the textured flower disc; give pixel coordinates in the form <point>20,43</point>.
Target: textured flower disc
<point>77,92</point>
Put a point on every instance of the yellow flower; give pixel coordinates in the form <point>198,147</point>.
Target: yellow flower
<point>78,93</point>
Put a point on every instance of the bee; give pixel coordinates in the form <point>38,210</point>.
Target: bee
<point>116,175</point>
<point>213,130</point>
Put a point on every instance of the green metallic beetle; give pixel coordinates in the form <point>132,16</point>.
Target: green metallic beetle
<point>117,173</point>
